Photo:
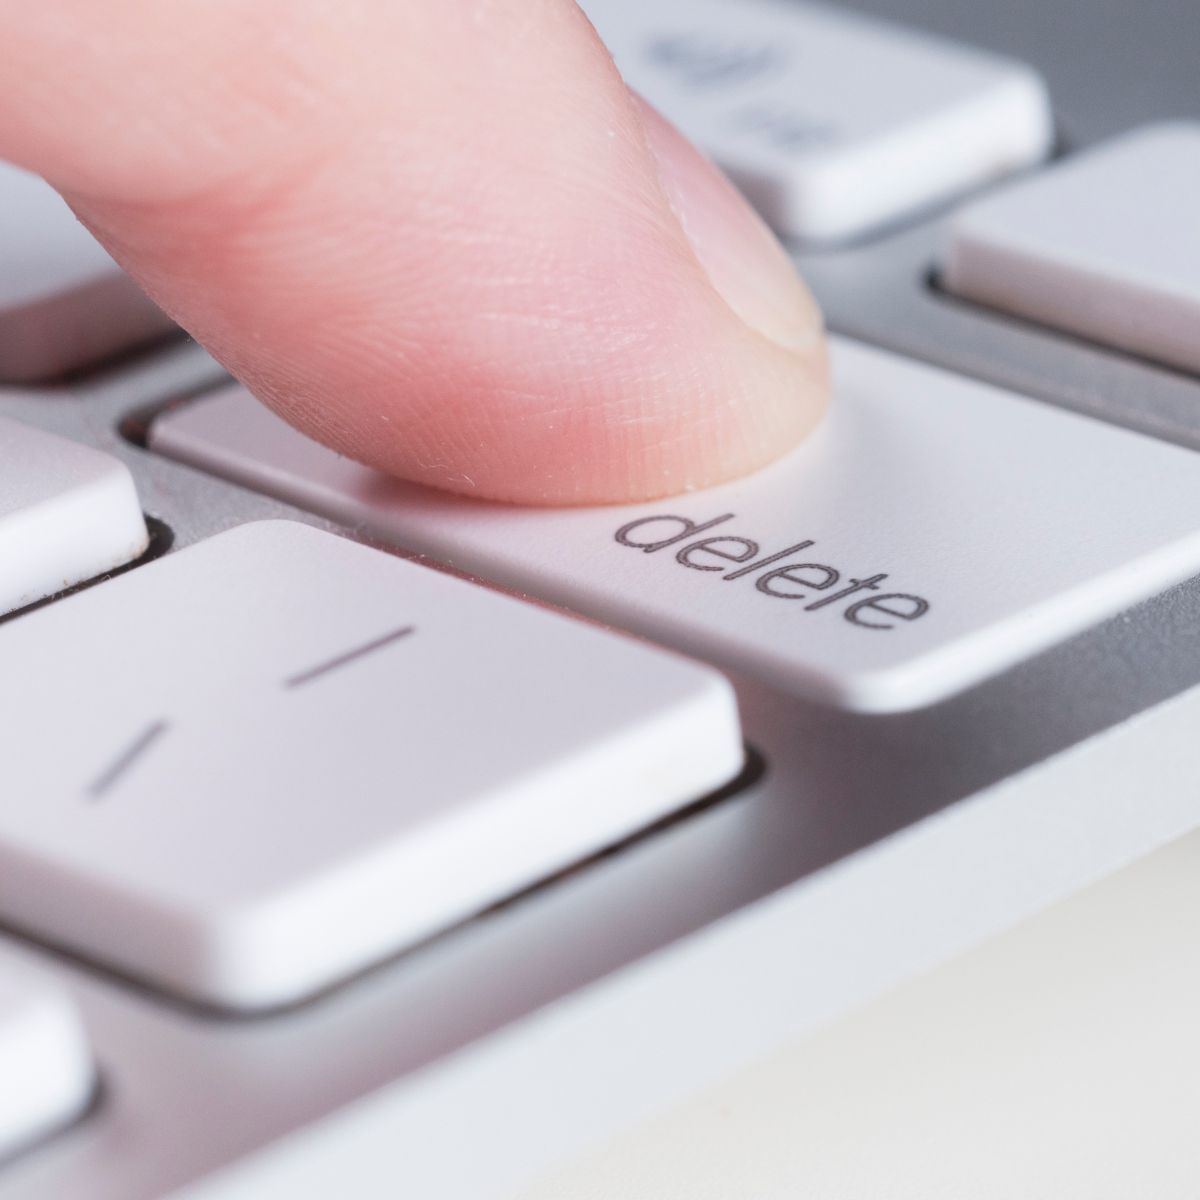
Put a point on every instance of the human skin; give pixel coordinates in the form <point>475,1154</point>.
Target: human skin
<point>440,236</point>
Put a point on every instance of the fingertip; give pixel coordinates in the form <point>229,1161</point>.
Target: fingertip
<point>742,258</point>
<point>493,271</point>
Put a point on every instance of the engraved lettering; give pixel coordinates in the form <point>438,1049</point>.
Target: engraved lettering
<point>762,562</point>
<point>704,61</point>
<point>856,585</point>
<point>708,546</point>
<point>689,527</point>
<point>914,607</point>
<point>772,582</point>
<point>785,580</point>
<point>783,128</point>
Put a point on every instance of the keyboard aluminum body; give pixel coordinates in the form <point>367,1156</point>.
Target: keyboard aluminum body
<point>868,849</point>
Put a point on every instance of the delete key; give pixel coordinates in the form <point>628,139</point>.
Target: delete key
<point>932,532</point>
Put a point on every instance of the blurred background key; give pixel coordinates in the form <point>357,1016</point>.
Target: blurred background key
<point>68,513</point>
<point>1104,246</point>
<point>46,1072</point>
<point>832,123</point>
<point>64,303</point>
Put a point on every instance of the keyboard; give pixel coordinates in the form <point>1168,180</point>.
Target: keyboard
<point>362,839</point>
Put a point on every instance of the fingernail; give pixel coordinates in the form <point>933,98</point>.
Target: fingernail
<point>742,257</point>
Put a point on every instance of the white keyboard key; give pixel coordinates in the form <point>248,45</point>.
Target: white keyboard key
<point>288,755</point>
<point>67,513</point>
<point>933,531</point>
<point>64,303</point>
<point>46,1072</point>
<point>831,123</point>
<point>1106,245</point>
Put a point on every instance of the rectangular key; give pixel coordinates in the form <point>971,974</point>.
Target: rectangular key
<point>67,513</point>
<point>46,1072</point>
<point>253,767</point>
<point>1105,245</point>
<point>832,123</point>
<point>64,303</point>
<point>930,533</point>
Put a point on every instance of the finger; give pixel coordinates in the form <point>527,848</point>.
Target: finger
<point>443,239</point>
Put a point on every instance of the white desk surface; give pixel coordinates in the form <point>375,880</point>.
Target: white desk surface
<point>1059,1061</point>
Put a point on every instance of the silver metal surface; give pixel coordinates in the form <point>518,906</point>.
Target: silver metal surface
<point>185,1092</point>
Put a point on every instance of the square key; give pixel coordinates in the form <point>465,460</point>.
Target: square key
<point>260,764</point>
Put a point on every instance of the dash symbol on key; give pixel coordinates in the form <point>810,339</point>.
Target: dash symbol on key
<point>130,755</point>
<point>350,656</point>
